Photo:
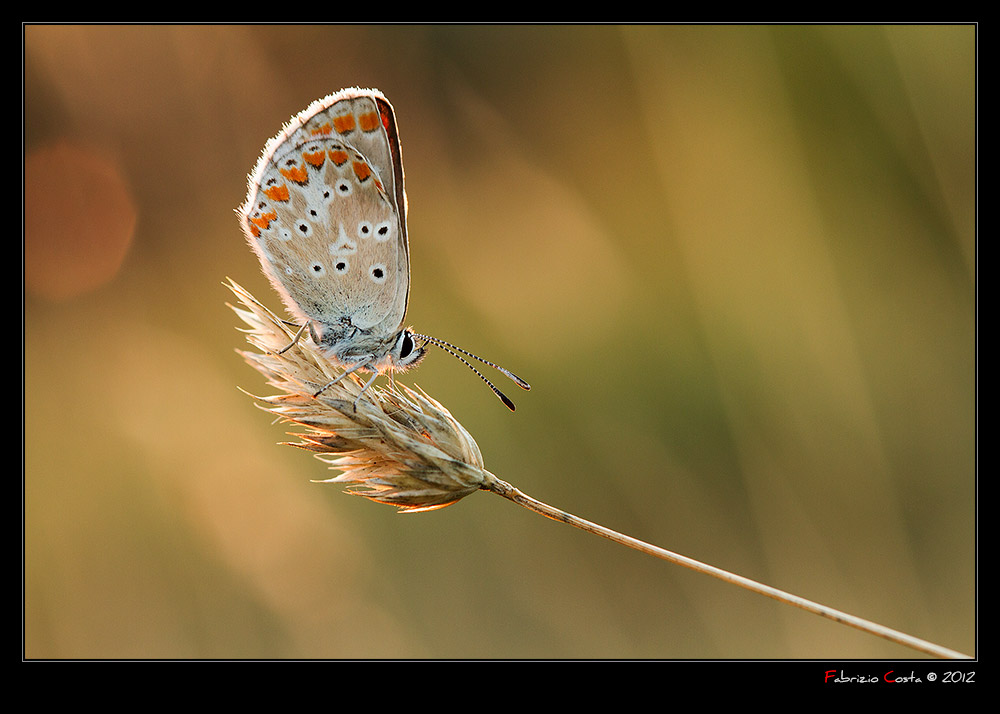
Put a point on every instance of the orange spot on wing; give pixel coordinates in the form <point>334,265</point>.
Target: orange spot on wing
<point>344,124</point>
<point>322,130</point>
<point>368,122</point>
<point>314,159</point>
<point>298,174</point>
<point>263,221</point>
<point>362,170</point>
<point>339,156</point>
<point>277,193</point>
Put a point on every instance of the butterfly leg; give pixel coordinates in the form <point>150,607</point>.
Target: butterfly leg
<point>350,370</point>
<point>295,339</point>
<point>365,389</point>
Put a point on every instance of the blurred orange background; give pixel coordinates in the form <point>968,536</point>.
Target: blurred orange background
<point>737,265</point>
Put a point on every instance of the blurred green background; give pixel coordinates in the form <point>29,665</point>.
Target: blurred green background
<point>737,265</point>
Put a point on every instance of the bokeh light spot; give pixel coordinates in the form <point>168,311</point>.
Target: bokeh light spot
<point>79,219</point>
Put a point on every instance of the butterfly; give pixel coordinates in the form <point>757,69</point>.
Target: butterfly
<point>326,215</point>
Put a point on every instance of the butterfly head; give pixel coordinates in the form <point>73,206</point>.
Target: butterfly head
<point>405,352</point>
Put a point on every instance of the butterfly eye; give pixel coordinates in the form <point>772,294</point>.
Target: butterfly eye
<point>407,346</point>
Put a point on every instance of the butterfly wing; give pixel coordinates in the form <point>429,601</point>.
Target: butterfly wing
<point>326,215</point>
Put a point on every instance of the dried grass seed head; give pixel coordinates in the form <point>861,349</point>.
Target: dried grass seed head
<point>402,448</point>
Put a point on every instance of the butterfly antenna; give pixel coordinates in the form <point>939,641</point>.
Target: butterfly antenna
<point>453,350</point>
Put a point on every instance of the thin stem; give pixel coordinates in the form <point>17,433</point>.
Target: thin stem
<point>502,488</point>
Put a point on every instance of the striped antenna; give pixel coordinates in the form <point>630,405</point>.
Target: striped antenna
<point>453,350</point>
